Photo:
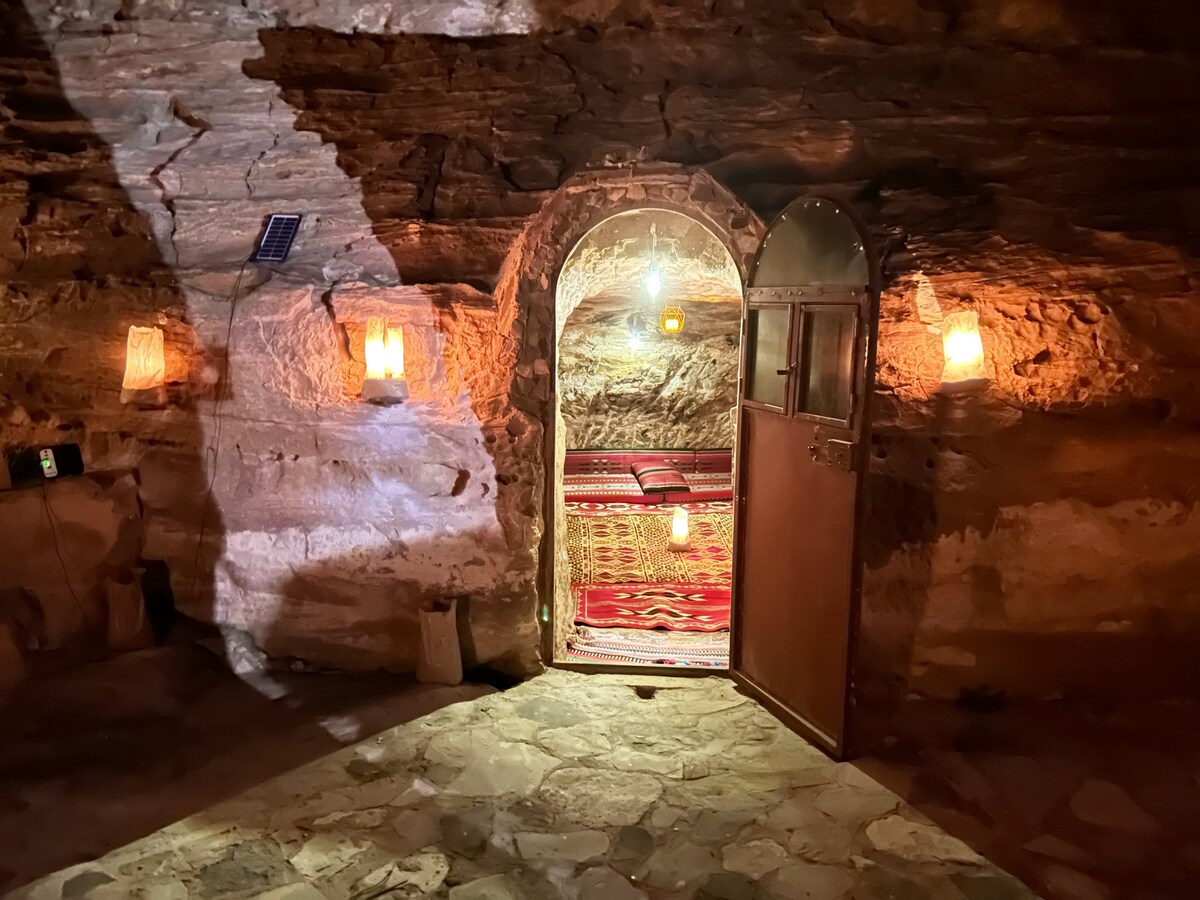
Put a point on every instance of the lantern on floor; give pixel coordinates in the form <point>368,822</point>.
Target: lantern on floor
<point>962,346</point>
<point>385,384</point>
<point>145,368</point>
<point>671,320</point>
<point>679,531</point>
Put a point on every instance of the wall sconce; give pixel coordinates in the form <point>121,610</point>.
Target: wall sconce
<point>964,369</point>
<point>385,384</point>
<point>679,531</point>
<point>145,368</point>
<point>671,320</point>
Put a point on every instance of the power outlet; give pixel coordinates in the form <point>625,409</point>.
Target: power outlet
<point>46,460</point>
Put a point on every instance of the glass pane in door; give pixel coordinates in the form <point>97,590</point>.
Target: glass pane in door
<point>827,361</point>
<point>767,354</point>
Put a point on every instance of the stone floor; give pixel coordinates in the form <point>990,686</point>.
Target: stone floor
<point>1081,802</point>
<point>592,787</point>
<point>104,752</point>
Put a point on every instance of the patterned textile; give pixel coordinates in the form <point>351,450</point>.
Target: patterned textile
<point>601,488</point>
<point>614,645</point>
<point>659,478</point>
<point>633,508</point>
<point>627,549</point>
<point>675,607</point>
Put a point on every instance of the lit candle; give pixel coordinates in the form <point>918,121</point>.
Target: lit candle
<point>679,531</point>
<point>375,351</point>
<point>394,352</point>
<point>384,353</point>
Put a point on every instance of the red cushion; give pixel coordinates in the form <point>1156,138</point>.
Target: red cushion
<point>659,478</point>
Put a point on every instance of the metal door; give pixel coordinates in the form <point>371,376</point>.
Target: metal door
<point>809,328</point>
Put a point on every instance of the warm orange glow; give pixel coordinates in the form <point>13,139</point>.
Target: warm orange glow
<point>376,351</point>
<point>679,530</point>
<point>671,320</point>
<point>962,346</point>
<point>145,366</point>
<point>394,352</point>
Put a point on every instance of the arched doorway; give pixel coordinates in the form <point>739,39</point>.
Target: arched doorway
<point>792,636</point>
<point>649,306</point>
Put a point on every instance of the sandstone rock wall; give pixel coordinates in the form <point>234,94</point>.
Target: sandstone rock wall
<point>1034,161</point>
<point>675,391</point>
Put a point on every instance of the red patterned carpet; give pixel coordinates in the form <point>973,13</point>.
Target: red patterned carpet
<point>676,607</point>
<point>638,602</point>
<point>631,548</point>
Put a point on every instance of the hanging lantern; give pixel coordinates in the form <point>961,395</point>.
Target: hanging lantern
<point>385,384</point>
<point>670,320</point>
<point>679,531</point>
<point>145,368</point>
<point>962,346</point>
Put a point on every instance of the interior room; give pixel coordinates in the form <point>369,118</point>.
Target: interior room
<point>647,368</point>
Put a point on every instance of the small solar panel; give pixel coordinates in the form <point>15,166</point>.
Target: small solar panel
<point>277,238</point>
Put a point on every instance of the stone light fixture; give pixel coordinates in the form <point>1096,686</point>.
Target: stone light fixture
<point>680,540</point>
<point>385,384</point>
<point>670,320</point>
<point>962,346</point>
<point>145,368</point>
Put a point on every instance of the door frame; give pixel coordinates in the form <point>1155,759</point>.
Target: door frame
<point>865,382</point>
<point>547,594</point>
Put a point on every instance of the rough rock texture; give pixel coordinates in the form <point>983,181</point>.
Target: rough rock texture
<point>1034,161</point>
<point>622,382</point>
<point>671,391</point>
<point>565,818</point>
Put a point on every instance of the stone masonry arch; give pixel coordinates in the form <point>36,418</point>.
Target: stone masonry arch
<point>530,323</point>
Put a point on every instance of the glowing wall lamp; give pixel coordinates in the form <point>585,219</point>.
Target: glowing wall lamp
<point>962,346</point>
<point>671,320</point>
<point>385,384</point>
<point>679,531</point>
<point>145,368</point>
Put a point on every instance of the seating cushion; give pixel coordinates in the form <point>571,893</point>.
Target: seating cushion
<point>659,478</point>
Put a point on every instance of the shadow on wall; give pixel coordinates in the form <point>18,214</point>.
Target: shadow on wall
<point>79,265</point>
<point>1066,218</point>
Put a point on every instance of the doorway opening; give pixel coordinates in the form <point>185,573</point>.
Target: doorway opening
<point>646,374</point>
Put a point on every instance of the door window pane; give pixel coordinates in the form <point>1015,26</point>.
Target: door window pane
<point>812,242</point>
<point>827,361</point>
<point>767,354</point>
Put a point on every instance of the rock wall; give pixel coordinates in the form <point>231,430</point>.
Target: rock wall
<point>672,391</point>
<point>1035,161</point>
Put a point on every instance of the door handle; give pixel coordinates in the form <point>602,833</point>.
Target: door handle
<point>787,371</point>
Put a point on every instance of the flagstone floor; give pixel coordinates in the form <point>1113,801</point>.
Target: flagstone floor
<point>568,786</point>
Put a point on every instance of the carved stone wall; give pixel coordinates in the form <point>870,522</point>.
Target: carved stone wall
<point>624,383</point>
<point>1034,161</point>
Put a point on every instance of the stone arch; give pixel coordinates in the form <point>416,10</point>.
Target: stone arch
<point>528,319</point>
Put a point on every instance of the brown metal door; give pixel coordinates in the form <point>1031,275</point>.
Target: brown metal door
<point>809,334</point>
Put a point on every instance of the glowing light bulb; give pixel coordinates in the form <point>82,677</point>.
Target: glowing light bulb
<point>679,531</point>
<point>653,281</point>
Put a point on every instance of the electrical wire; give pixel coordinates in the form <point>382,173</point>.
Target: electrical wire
<point>58,551</point>
<point>214,447</point>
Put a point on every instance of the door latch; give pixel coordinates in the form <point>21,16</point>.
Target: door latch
<point>832,452</point>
